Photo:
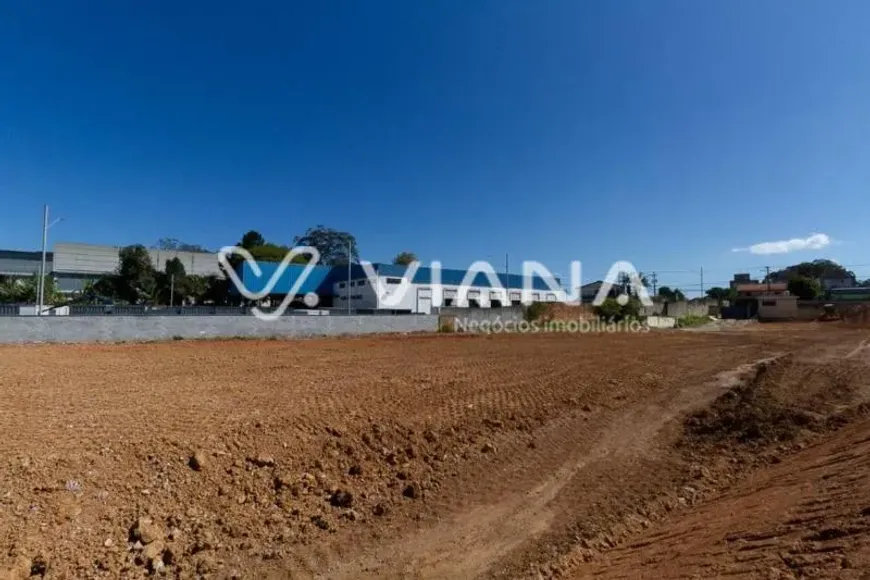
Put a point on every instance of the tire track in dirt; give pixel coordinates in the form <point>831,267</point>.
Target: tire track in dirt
<point>499,437</point>
<point>808,517</point>
<point>467,546</point>
<point>805,516</point>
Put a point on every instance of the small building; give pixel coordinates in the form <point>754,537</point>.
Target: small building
<point>849,294</point>
<point>834,282</point>
<point>756,289</point>
<point>746,303</point>
<point>589,292</point>
<point>777,307</point>
<point>740,279</point>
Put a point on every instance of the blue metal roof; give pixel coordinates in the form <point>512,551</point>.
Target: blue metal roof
<point>318,279</point>
<point>322,278</point>
<point>454,277</point>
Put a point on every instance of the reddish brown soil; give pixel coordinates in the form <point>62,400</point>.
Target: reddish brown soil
<point>807,517</point>
<point>407,457</point>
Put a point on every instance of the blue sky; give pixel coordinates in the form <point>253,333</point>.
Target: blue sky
<point>664,133</point>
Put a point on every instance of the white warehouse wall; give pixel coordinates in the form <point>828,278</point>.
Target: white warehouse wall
<point>421,298</point>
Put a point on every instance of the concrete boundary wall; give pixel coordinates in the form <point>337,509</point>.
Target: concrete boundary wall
<point>25,329</point>
<point>478,315</point>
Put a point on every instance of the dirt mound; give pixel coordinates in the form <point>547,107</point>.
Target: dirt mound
<point>859,314</point>
<point>785,399</point>
<point>805,517</point>
<point>762,424</point>
<point>557,311</point>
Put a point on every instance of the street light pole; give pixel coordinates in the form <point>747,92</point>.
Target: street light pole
<point>40,289</point>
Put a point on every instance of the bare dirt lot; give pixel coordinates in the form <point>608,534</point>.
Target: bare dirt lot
<point>657,455</point>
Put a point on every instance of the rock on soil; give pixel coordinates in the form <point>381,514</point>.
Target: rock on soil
<point>197,461</point>
<point>146,531</point>
<point>341,499</point>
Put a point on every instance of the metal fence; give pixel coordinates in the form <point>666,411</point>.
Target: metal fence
<point>8,310</point>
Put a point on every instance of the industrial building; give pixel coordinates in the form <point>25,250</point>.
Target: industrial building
<point>391,288</point>
<point>73,265</point>
<point>397,288</point>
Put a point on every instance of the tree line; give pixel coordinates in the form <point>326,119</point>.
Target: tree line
<point>803,280</point>
<point>137,280</point>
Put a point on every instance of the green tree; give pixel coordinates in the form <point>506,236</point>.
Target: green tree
<point>26,290</point>
<point>50,293</point>
<point>816,269</point>
<point>333,245</point>
<point>613,311</point>
<point>172,283</point>
<point>260,250</point>
<point>105,288</point>
<point>671,295</point>
<point>804,287</point>
<point>623,282</point>
<point>719,294</point>
<point>14,290</point>
<point>252,239</point>
<point>404,258</point>
<point>216,290</point>
<point>136,280</point>
<point>269,252</point>
<point>175,267</point>
<point>175,244</point>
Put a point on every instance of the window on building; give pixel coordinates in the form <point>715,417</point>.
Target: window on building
<point>551,297</point>
<point>768,302</point>
<point>472,303</point>
<point>394,280</point>
<point>342,284</point>
<point>448,302</point>
<point>356,297</point>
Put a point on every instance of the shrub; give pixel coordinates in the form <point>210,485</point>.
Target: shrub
<point>535,311</point>
<point>446,325</point>
<point>613,311</point>
<point>692,320</point>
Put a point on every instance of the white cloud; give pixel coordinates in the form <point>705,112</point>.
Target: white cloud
<point>813,242</point>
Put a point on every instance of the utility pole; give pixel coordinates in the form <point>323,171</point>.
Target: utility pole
<point>767,277</point>
<point>172,290</point>
<point>702,281</point>
<point>40,289</point>
<point>654,279</point>
<point>507,282</point>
